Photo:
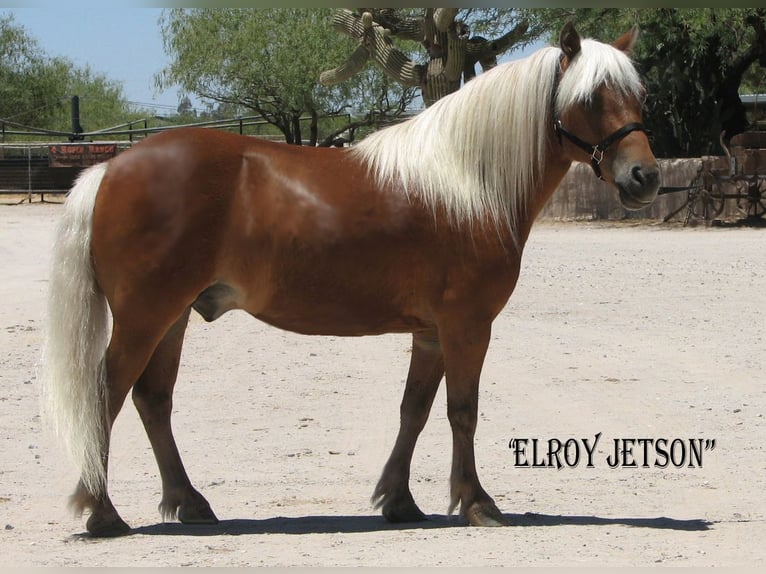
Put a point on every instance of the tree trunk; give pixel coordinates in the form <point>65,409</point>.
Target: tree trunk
<point>314,128</point>
<point>730,110</point>
<point>296,130</point>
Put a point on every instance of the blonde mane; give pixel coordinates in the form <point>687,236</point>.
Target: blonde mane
<point>479,152</point>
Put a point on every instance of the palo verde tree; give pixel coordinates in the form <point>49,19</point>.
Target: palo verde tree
<point>26,78</point>
<point>267,61</point>
<point>102,103</point>
<point>445,34</point>
<point>36,89</point>
<point>694,62</point>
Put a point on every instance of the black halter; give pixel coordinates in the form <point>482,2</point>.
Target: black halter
<point>596,151</point>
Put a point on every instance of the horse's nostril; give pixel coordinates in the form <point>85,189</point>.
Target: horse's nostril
<point>645,177</point>
<point>638,175</point>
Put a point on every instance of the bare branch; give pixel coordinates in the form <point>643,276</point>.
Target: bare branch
<point>331,139</point>
<point>486,51</point>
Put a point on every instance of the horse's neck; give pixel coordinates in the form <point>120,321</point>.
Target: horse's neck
<point>554,171</point>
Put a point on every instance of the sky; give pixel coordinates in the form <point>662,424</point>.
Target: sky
<point>120,41</point>
<point>123,43</point>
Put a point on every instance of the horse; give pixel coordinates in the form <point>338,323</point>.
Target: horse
<point>417,229</point>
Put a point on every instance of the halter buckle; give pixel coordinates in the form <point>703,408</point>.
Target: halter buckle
<point>597,156</point>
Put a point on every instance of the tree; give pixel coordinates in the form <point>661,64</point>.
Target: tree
<point>267,61</point>
<point>185,108</point>
<point>102,103</point>
<point>36,89</point>
<point>452,53</point>
<point>693,62</point>
<point>25,79</point>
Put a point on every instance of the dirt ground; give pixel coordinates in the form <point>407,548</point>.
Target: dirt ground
<point>631,331</point>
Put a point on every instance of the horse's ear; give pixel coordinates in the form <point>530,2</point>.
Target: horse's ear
<point>569,40</point>
<point>627,41</point>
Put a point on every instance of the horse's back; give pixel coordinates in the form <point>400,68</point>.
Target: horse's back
<point>200,169</point>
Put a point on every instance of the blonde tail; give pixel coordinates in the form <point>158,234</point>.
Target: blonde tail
<point>73,374</point>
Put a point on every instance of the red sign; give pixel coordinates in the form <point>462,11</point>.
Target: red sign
<point>80,155</point>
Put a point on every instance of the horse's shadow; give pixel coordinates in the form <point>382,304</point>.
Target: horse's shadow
<point>357,524</point>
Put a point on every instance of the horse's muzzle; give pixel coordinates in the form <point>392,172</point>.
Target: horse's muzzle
<point>638,185</point>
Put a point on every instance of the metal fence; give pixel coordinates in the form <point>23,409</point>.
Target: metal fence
<point>26,170</point>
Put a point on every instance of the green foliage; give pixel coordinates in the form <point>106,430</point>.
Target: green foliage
<point>262,60</point>
<point>265,61</point>
<point>36,90</point>
<point>689,59</point>
<point>102,104</point>
<point>25,79</point>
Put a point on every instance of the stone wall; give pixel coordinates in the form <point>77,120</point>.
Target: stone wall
<point>582,196</point>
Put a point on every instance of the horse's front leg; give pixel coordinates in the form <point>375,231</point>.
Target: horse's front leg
<point>426,371</point>
<point>465,346</point>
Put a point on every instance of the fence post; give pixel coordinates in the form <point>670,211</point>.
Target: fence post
<point>29,173</point>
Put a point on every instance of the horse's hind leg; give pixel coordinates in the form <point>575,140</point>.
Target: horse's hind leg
<point>126,357</point>
<point>426,370</point>
<point>153,397</point>
<point>104,520</point>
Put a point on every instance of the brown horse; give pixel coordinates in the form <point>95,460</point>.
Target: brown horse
<point>417,229</point>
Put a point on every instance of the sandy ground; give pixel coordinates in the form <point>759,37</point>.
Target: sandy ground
<point>631,331</point>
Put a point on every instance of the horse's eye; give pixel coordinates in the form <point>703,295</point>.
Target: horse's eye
<point>595,103</point>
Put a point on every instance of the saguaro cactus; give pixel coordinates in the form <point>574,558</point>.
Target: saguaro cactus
<point>452,53</point>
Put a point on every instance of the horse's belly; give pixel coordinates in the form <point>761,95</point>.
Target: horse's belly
<point>341,314</point>
<point>344,326</point>
<point>322,301</point>
<point>349,288</point>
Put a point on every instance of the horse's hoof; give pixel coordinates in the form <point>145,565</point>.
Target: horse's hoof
<point>189,514</point>
<point>485,514</point>
<point>106,527</point>
<point>403,510</point>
